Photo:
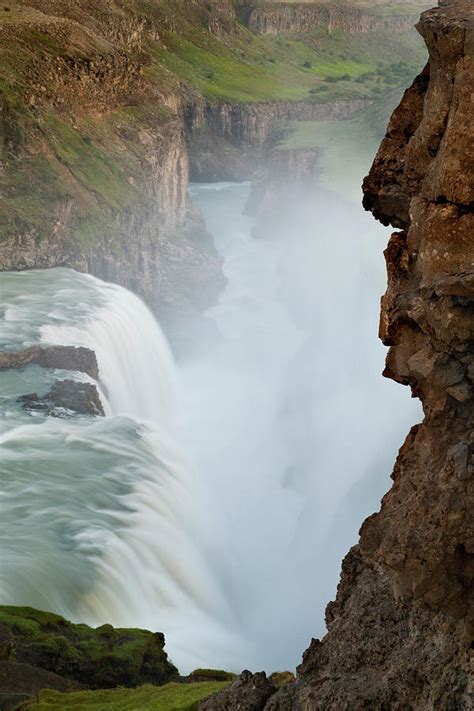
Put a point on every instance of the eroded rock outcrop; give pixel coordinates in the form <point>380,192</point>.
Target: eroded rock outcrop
<point>294,18</point>
<point>64,397</point>
<point>401,630</point>
<point>80,359</point>
<point>105,657</point>
<point>250,692</point>
<point>228,141</point>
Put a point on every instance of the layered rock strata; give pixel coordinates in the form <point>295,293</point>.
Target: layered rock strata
<point>401,630</point>
<point>294,18</point>
<point>227,141</point>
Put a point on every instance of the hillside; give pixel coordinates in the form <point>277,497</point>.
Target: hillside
<point>92,101</point>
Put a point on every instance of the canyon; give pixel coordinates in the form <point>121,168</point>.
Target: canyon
<point>109,130</point>
<point>110,137</point>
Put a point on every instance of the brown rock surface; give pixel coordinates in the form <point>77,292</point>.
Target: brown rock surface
<point>401,630</point>
<point>82,360</point>
<point>249,692</point>
<point>293,18</point>
<point>66,396</point>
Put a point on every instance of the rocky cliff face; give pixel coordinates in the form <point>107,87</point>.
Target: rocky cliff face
<point>300,18</point>
<point>94,168</point>
<point>105,108</point>
<point>401,630</point>
<point>226,141</point>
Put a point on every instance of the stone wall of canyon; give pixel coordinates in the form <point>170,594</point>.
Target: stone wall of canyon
<point>301,18</point>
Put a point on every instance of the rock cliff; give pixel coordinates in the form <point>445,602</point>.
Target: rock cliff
<point>294,18</point>
<point>401,630</point>
<point>229,141</point>
<point>104,105</point>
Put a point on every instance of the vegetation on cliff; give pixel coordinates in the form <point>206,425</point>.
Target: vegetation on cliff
<point>91,96</point>
<point>100,658</point>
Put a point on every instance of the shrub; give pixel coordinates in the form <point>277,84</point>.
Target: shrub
<point>307,65</point>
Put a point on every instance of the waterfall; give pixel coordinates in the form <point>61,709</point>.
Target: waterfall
<point>112,533</point>
<point>214,502</point>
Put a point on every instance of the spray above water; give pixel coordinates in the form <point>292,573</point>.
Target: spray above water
<point>220,516</point>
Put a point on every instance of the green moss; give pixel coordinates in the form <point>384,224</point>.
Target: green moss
<point>282,678</point>
<point>87,170</point>
<point>172,697</point>
<point>101,658</point>
<point>94,168</point>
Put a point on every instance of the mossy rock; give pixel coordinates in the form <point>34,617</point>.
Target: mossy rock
<point>211,675</point>
<point>99,658</point>
<point>282,678</point>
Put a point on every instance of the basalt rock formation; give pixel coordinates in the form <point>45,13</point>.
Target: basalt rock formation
<point>82,360</point>
<point>401,630</point>
<point>229,141</point>
<point>294,18</point>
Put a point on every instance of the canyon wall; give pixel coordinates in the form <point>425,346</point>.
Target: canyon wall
<point>401,630</point>
<point>94,169</point>
<point>227,141</point>
<point>101,127</point>
<point>301,18</point>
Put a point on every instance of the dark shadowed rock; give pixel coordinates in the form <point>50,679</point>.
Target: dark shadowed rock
<point>81,398</point>
<point>7,643</point>
<point>249,693</point>
<point>12,702</point>
<point>19,678</point>
<point>82,360</point>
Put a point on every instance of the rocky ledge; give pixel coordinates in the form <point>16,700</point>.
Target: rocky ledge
<point>401,630</point>
<point>82,360</point>
<point>66,396</point>
<point>100,658</point>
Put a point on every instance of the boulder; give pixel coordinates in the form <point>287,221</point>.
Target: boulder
<point>250,692</point>
<point>81,398</point>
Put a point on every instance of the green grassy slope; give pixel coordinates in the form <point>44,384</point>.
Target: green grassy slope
<point>325,67</point>
<point>81,85</point>
<point>172,697</point>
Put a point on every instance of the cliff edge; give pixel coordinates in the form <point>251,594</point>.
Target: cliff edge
<point>401,630</point>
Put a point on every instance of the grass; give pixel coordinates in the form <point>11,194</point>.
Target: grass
<point>390,9</point>
<point>88,167</point>
<point>100,658</point>
<point>172,697</point>
<point>326,67</point>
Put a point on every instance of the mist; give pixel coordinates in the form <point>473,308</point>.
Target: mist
<point>290,429</point>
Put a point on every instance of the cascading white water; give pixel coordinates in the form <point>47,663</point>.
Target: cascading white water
<point>111,533</point>
<point>220,516</point>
